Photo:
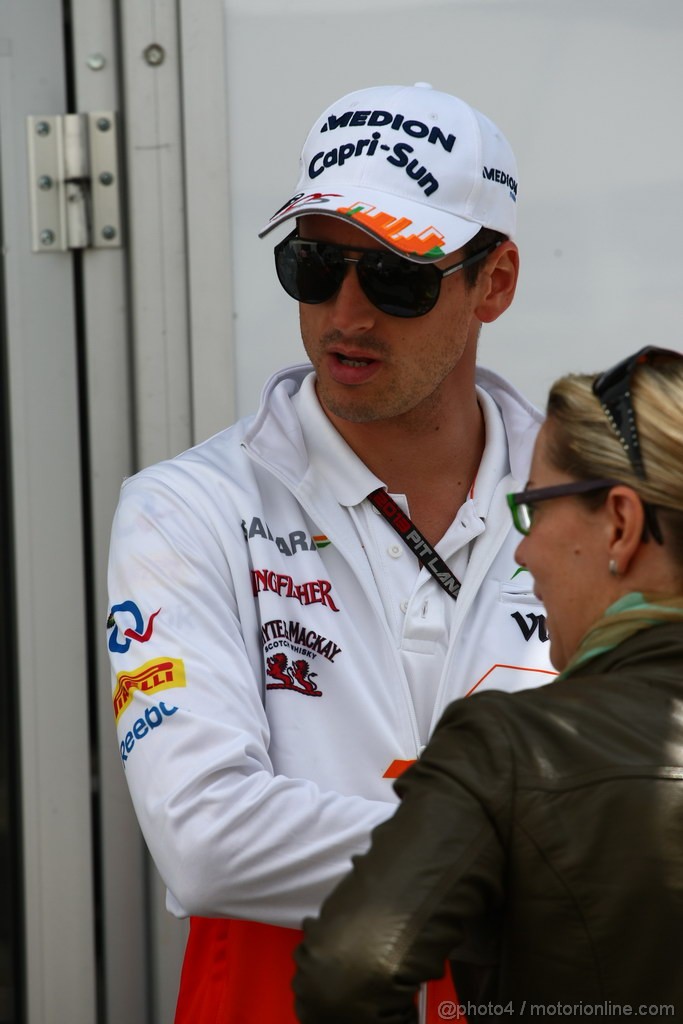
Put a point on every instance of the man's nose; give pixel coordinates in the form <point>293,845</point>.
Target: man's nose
<point>350,308</point>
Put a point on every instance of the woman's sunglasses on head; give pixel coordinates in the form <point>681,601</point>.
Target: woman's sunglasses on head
<point>613,390</point>
<point>312,272</point>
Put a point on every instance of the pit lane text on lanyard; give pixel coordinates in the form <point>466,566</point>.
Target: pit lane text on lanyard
<point>416,541</point>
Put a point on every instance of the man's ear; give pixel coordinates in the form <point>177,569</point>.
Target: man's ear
<point>625,523</point>
<point>497,281</point>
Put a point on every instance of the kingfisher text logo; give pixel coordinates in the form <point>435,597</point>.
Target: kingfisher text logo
<point>153,675</point>
<point>137,631</point>
<point>312,592</point>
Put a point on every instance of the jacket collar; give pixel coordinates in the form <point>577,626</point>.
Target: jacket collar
<point>276,438</point>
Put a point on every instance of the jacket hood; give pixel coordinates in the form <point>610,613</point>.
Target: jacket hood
<point>521,419</point>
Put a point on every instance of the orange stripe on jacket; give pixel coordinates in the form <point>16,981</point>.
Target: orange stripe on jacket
<point>240,972</point>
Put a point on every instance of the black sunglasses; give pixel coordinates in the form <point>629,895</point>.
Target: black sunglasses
<point>613,390</point>
<point>522,504</point>
<point>312,272</point>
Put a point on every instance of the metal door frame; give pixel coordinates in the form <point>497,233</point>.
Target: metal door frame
<point>47,514</point>
<point>116,358</point>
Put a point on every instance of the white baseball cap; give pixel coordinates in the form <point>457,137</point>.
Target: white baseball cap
<point>419,170</point>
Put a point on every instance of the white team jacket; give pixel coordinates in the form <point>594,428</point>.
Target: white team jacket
<point>259,696</point>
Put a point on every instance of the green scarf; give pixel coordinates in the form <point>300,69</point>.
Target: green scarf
<point>624,618</point>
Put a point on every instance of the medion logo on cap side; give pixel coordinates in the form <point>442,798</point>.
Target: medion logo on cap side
<point>493,174</point>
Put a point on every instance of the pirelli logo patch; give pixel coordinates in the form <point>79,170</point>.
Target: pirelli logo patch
<point>160,674</point>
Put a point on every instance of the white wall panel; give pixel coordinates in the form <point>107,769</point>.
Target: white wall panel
<point>152,120</point>
<point>207,198</point>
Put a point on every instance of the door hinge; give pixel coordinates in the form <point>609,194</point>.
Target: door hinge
<point>74,182</point>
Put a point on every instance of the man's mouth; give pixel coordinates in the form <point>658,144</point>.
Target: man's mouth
<point>352,369</point>
<point>349,361</point>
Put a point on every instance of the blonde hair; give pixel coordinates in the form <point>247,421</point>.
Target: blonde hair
<point>583,443</point>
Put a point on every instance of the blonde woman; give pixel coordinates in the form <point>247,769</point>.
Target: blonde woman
<point>539,842</point>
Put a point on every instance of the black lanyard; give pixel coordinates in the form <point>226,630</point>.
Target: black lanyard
<point>416,541</point>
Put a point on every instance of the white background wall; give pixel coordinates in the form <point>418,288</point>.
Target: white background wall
<point>587,91</point>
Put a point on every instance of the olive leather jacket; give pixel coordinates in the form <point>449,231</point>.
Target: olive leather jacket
<point>538,847</point>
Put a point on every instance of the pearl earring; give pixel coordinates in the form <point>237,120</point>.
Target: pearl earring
<point>613,569</point>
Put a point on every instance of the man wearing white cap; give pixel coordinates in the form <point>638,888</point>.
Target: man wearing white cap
<point>296,600</point>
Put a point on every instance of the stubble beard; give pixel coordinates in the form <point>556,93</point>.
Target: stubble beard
<point>414,408</point>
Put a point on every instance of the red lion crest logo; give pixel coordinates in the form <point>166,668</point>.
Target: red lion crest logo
<point>297,676</point>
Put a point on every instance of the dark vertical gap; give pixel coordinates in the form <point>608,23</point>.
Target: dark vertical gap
<point>89,588</point>
<point>12,930</point>
<point>147,923</point>
<point>184,116</point>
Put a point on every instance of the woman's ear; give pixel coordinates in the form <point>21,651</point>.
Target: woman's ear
<point>625,523</point>
<point>498,281</point>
